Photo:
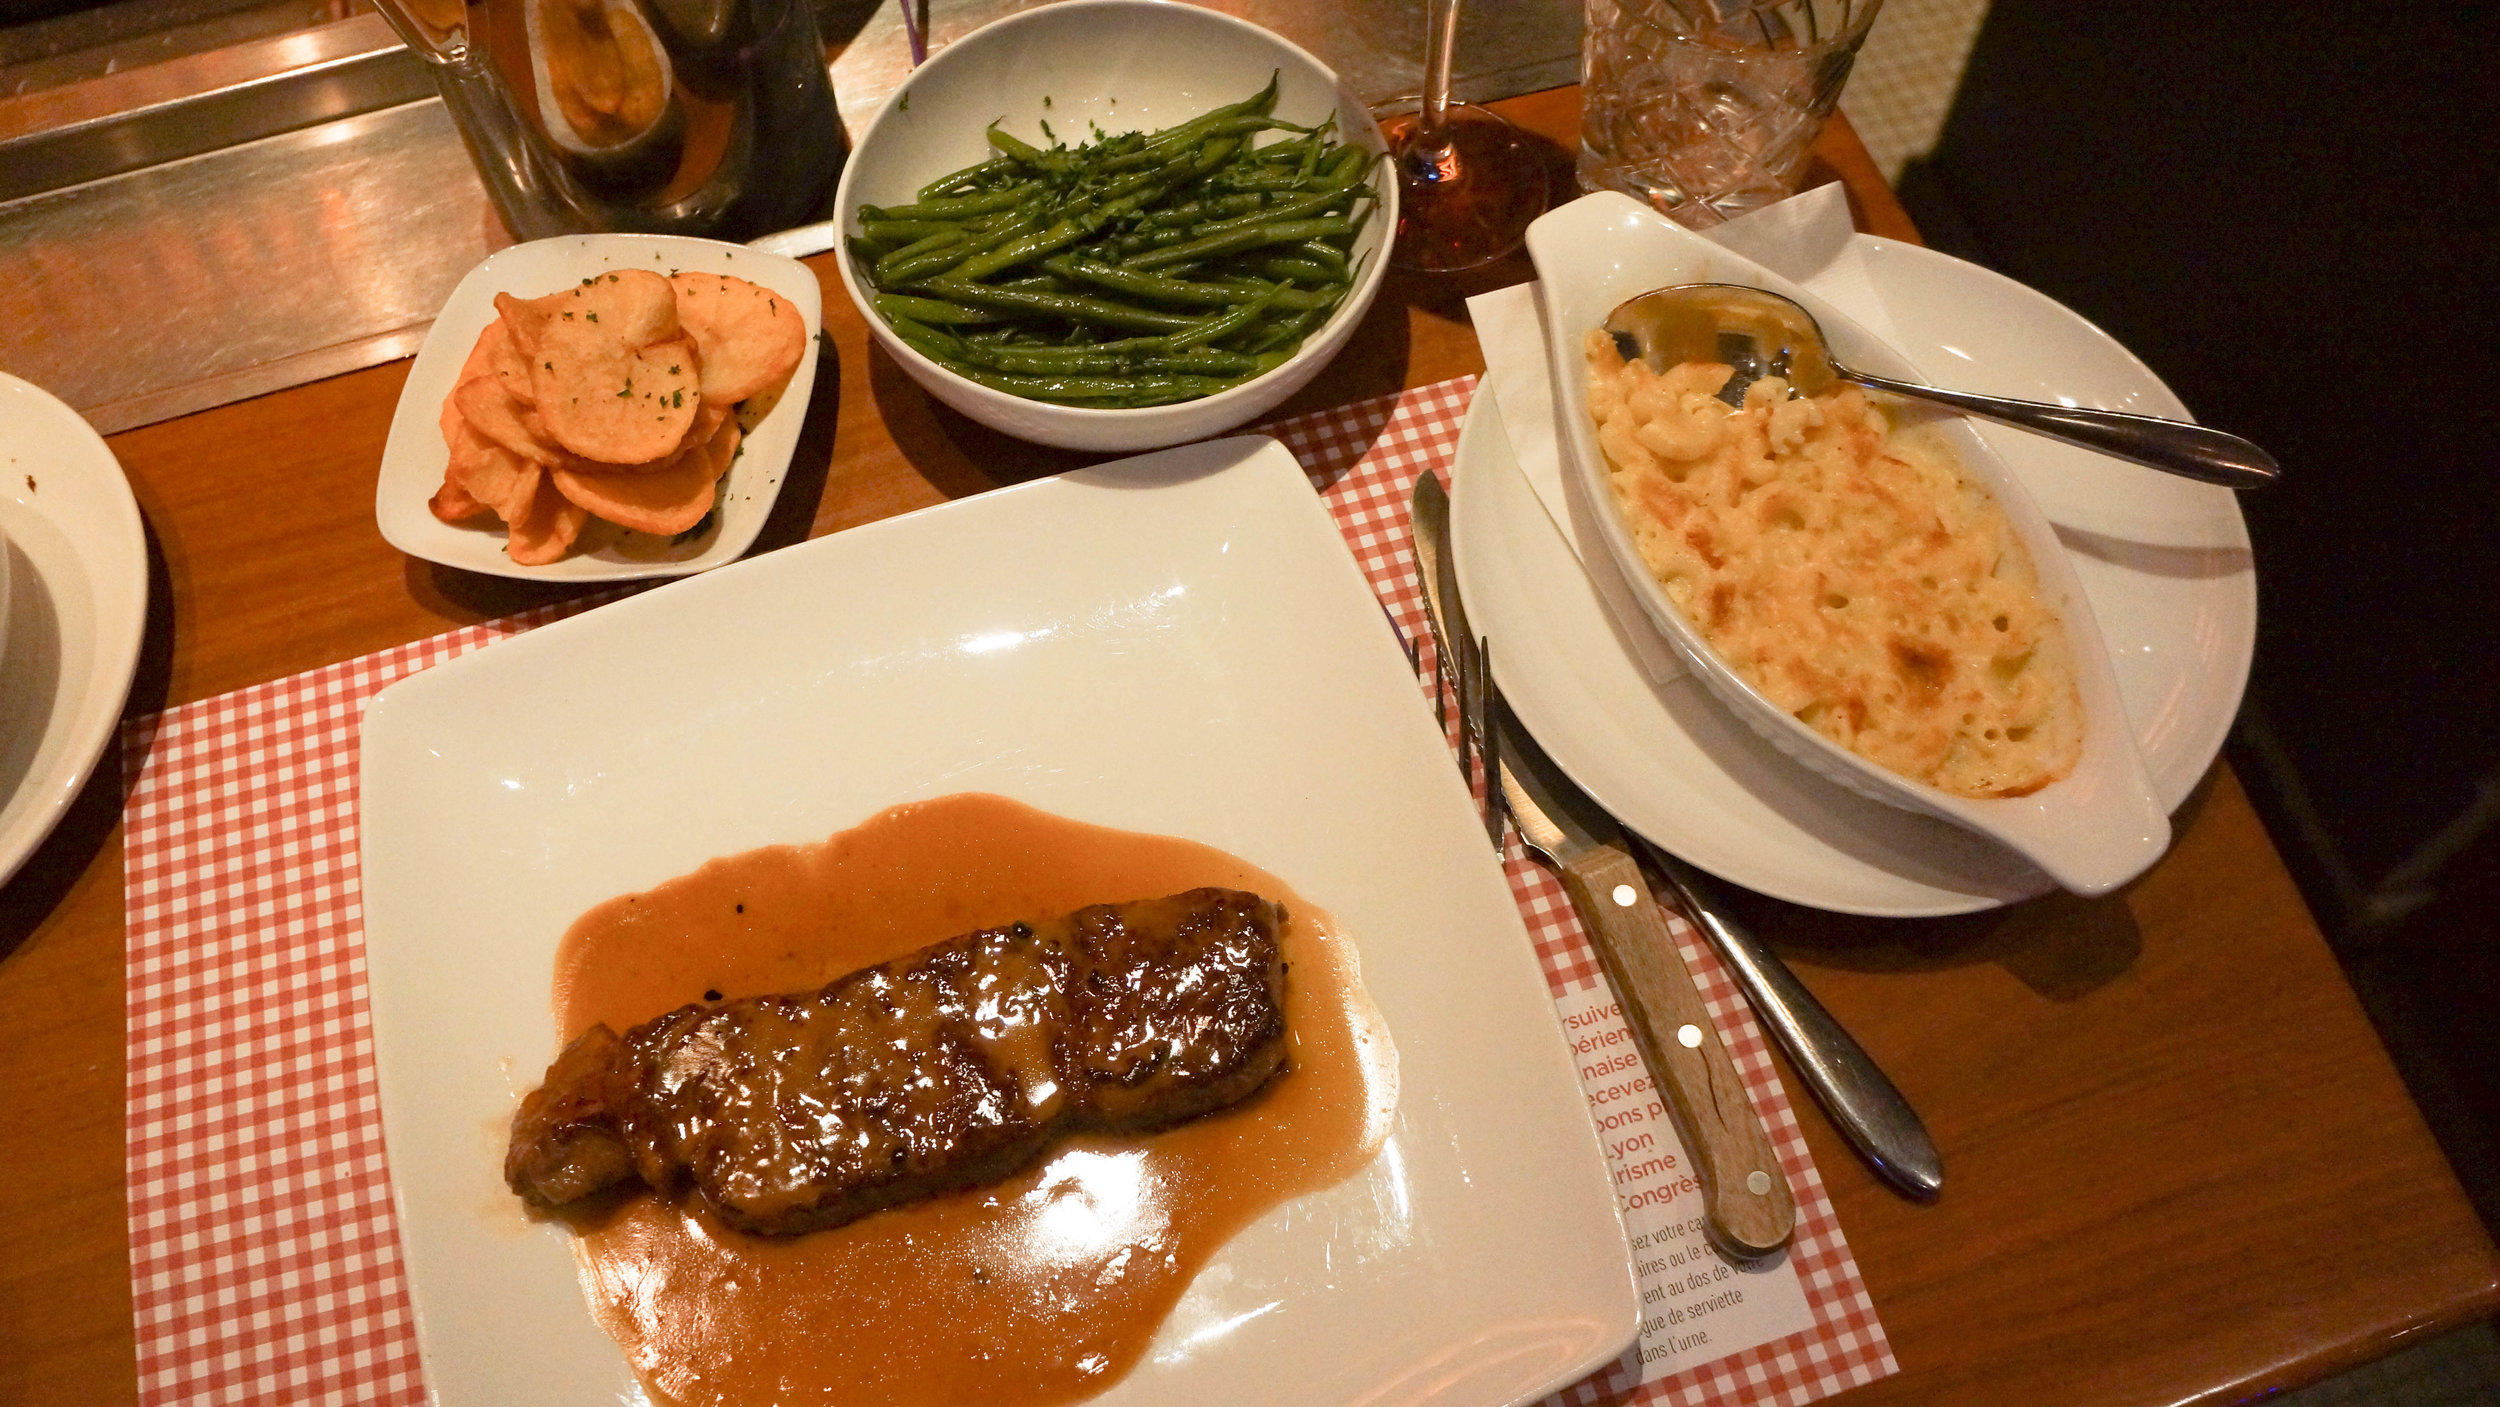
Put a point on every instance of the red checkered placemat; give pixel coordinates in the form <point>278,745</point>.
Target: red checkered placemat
<point>264,1261</point>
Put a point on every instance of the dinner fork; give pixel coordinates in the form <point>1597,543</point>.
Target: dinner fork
<point>1462,665</point>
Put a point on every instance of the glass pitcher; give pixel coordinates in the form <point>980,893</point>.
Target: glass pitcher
<point>703,117</point>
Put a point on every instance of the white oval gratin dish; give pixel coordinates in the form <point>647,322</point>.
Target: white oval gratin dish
<point>2092,830</point>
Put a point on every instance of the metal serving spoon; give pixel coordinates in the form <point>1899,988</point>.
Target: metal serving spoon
<point>1763,334</point>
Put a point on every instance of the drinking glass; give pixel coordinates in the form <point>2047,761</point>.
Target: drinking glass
<point>1468,181</point>
<point>1707,108</point>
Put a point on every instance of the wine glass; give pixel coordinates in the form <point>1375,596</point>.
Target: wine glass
<point>1468,181</point>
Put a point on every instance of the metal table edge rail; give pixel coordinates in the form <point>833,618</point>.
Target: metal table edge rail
<point>126,122</point>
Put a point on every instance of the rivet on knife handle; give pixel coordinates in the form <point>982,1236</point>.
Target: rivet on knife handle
<point>1750,1208</point>
<point>1863,1104</point>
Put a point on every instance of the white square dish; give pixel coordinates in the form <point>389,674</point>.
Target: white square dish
<point>414,457</point>
<point>2091,830</point>
<point>1178,644</point>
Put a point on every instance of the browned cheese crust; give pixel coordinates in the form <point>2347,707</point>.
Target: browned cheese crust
<point>1856,578</point>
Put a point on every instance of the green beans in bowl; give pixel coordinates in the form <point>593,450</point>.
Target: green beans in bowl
<point>1059,228</point>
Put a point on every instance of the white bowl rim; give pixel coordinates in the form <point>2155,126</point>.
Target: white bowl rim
<point>2134,829</point>
<point>1316,344</point>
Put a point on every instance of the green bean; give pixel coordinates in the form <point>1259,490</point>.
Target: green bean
<point>1235,241</point>
<point>1285,332</point>
<point>1299,270</point>
<point>970,175</point>
<point>1072,307</point>
<point>902,232</point>
<point>1297,299</point>
<point>1158,287</point>
<point>1025,153</point>
<point>926,340</point>
<point>944,239</point>
<point>1293,209</point>
<point>902,268</point>
<point>953,207</point>
<point>1078,361</point>
<point>1021,250</point>
<point>1192,211</point>
<point>1267,181</point>
<point>1324,253</point>
<point>1248,115</point>
<point>1223,325</point>
<point>1128,390</point>
<point>934,311</point>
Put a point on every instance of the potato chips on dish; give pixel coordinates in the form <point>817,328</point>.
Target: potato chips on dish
<point>615,399</point>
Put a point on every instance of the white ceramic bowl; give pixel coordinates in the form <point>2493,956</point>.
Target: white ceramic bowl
<point>1123,65</point>
<point>2091,831</point>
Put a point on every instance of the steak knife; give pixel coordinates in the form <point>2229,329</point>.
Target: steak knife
<point>1748,1206</point>
<point>1750,1210</point>
<point>1862,1102</point>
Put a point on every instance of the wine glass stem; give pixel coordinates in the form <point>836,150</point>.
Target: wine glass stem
<point>1440,38</point>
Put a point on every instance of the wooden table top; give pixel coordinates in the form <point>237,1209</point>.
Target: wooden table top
<point>2180,1166</point>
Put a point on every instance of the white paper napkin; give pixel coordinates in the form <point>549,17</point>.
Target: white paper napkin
<point>1806,237</point>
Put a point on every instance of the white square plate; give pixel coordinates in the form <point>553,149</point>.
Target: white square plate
<point>415,455</point>
<point>1177,644</point>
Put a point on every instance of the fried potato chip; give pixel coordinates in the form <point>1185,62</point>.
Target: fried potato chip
<point>722,449</point>
<point>548,526</point>
<point>454,504</point>
<point>664,504</point>
<point>494,346</point>
<point>751,337</point>
<point>707,423</point>
<point>632,306</point>
<point>628,408</point>
<point>487,404</point>
<point>613,376</point>
<point>509,363</point>
<point>451,419</point>
<point>492,474</point>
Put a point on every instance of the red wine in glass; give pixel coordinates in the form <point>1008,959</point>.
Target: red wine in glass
<point>1468,181</point>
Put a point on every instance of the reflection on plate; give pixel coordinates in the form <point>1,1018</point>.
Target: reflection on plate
<point>414,457</point>
<point>1178,644</point>
<point>2164,561</point>
<point>77,603</point>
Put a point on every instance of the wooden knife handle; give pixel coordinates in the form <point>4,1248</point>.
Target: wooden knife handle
<point>1750,1209</point>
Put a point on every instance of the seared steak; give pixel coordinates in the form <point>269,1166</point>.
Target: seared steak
<point>952,1066</point>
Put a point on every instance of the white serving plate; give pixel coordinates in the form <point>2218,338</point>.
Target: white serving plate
<point>76,604</point>
<point>1177,644</point>
<point>2164,561</point>
<point>1122,65</point>
<point>2091,830</point>
<point>415,455</point>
